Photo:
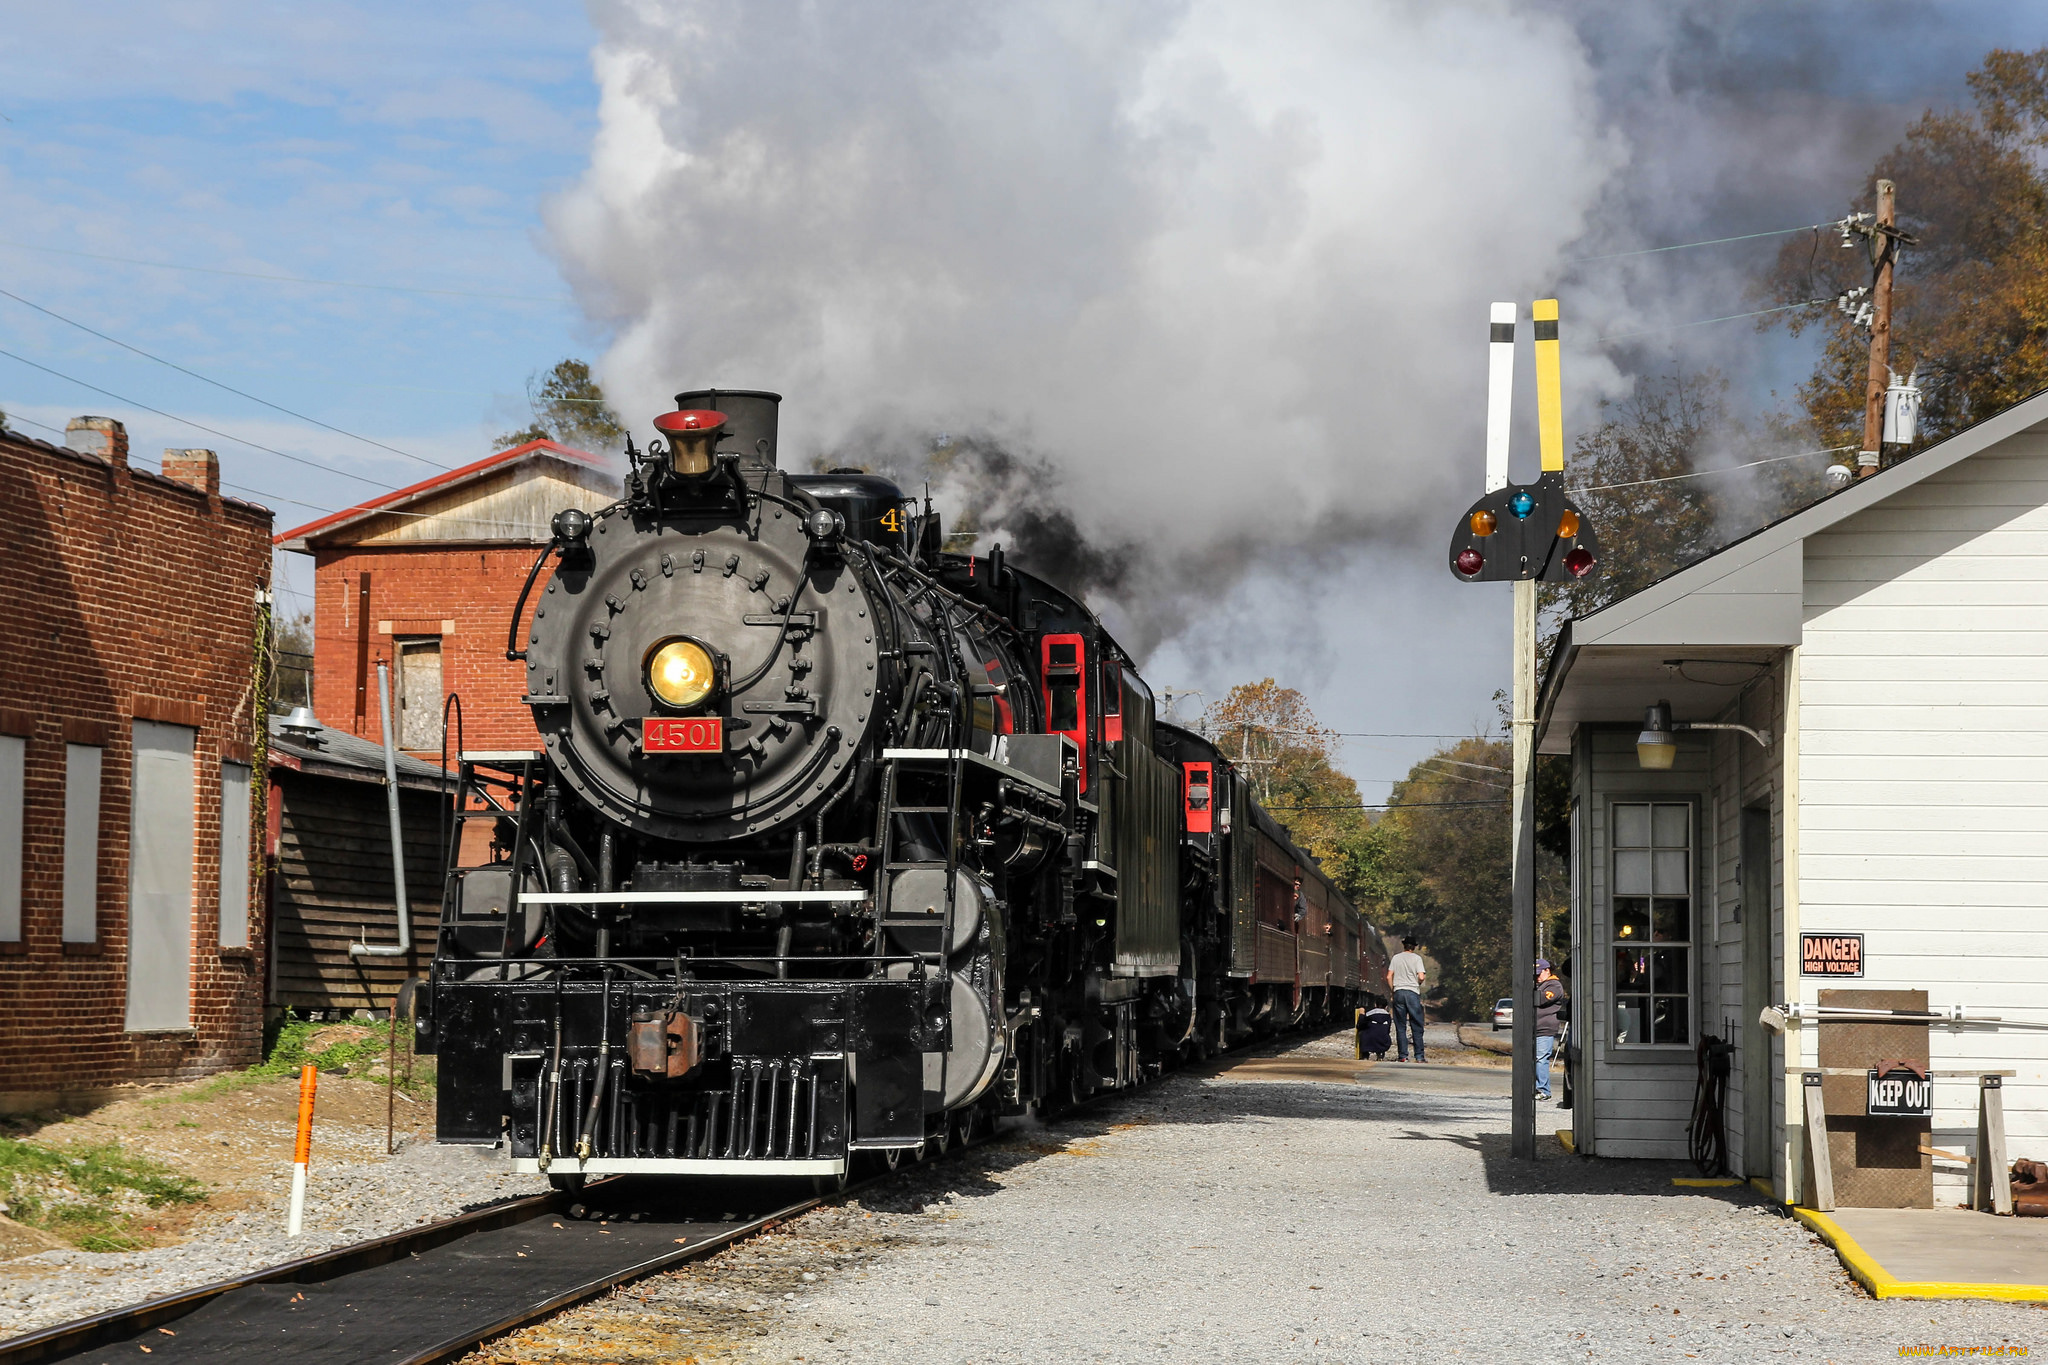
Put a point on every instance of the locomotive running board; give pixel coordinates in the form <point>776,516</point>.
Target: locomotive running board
<point>660,1165</point>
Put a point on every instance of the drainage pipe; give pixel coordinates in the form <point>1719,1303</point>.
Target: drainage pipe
<point>403,948</point>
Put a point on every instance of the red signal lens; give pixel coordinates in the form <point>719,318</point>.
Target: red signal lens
<point>1579,562</point>
<point>1471,562</point>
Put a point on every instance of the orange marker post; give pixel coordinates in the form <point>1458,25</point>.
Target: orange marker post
<point>309,1080</point>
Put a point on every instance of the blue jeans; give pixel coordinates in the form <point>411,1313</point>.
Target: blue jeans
<point>1546,1046</point>
<point>1407,1017</point>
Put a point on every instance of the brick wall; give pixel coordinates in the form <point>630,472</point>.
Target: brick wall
<point>423,591</point>
<point>133,596</point>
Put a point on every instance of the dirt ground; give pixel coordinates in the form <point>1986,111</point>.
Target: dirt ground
<point>233,1136</point>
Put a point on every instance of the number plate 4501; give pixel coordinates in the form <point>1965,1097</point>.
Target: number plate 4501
<point>682,735</point>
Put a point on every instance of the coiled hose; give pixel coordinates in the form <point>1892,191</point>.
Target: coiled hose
<point>1706,1135</point>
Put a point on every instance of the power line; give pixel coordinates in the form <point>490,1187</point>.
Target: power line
<point>227,388</point>
<point>1701,474</point>
<point>200,426</point>
<point>291,279</point>
<point>1702,322</point>
<point>1711,241</point>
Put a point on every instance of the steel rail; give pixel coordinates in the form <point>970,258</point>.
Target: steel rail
<point>83,1333</point>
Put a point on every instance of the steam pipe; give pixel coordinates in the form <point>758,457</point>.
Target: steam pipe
<point>403,948</point>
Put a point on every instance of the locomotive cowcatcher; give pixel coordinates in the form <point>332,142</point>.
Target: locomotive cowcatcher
<point>835,842</point>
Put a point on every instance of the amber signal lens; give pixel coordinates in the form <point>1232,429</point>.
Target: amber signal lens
<point>1484,522</point>
<point>1568,525</point>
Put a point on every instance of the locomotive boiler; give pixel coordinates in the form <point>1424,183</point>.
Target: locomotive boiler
<point>833,843</point>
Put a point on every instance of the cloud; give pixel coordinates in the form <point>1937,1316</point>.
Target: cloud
<point>1223,269</point>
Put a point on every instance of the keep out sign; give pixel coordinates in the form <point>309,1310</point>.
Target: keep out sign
<point>1898,1092</point>
<point>682,735</point>
<point>1831,954</point>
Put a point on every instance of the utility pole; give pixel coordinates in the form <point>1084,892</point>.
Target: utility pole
<point>1883,250</point>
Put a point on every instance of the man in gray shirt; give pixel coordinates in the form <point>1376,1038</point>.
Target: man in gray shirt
<point>1406,977</point>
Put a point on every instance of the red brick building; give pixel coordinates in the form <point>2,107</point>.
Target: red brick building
<point>425,578</point>
<point>130,941</point>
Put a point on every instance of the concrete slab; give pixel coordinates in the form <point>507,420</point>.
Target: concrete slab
<point>1938,1253</point>
<point>1421,1077</point>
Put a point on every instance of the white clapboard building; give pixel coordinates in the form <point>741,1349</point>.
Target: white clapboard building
<point>1886,652</point>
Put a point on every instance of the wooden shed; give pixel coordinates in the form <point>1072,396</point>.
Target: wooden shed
<point>329,873</point>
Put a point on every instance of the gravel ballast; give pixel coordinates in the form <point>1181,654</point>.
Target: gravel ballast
<point>1216,1217</point>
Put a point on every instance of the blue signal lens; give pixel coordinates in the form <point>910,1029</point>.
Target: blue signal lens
<point>1521,504</point>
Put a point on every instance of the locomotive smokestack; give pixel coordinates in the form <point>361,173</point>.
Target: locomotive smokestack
<point>749,421</point>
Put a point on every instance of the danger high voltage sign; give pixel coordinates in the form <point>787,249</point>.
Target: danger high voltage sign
<point>1831,954</point>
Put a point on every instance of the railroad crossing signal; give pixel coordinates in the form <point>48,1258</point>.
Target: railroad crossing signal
<point>1531,531</point>
<point>1528,532</point>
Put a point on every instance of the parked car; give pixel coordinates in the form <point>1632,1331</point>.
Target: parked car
<point>1503,1013</point>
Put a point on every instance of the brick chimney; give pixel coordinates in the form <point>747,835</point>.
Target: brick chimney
<point>198,469</point>
<point>101,436</point>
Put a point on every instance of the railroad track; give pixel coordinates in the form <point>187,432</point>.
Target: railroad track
<point>431,1293</point>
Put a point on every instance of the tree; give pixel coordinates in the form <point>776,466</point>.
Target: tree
<point>568,406</point>
<point>1970,299</point>
<point>1270,732</point>
<point>291,669</point>
<point>1437,865</point>
<point>1636,476</point>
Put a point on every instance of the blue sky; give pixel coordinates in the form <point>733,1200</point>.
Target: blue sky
<point>418,147</point>
<point>382,144</point>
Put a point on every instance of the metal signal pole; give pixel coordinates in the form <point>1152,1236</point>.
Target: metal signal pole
<point>1884,248</point>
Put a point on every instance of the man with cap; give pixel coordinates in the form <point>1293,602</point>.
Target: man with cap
<point>1551,1002</point>
<point>1405,978</point>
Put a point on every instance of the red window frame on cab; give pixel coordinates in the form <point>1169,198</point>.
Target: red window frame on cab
<point>1063,667</point>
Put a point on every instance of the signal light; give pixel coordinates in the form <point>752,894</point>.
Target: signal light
<point>1579,562</point>
<point>1568,525</point>
<point>1484,522</point>
<point>1470,562</point>
<point>1521,505</point>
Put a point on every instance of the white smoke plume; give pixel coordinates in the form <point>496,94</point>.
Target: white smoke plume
<point>1223,267</point>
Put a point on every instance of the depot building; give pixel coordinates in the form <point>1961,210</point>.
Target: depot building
<point>1813,768</point>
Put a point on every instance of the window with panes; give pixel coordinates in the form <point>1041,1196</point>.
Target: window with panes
<point>1652,932</point>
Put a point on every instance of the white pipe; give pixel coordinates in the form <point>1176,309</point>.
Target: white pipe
<point>298,1216</point>
<point>1500,388</point>
<point>404,945</point>
<point>1777,1018</point>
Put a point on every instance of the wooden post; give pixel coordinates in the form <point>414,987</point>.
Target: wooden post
<point>1880,376</point>
<point>1817,1144</point>
<point>1992,1178</point>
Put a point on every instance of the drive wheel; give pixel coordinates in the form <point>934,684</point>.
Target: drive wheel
<point>566,1184</point>
<point>828,1186</point>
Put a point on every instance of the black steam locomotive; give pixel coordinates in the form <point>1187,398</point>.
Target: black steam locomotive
<point>837,843</point>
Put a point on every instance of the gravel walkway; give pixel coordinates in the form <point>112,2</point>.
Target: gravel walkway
<point>1229,1219</point>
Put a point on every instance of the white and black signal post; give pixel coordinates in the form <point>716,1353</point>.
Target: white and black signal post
<point>1525,534</point>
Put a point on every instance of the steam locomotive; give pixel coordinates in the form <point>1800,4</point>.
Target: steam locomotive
<point>837,844</point>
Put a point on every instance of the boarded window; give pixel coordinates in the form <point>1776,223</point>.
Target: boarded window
<point>160,879</point>
<point>1652,930</point>
<point>234,855</point>
<point>419,694</point>
<point>13,776</point>
<point>81,843</point>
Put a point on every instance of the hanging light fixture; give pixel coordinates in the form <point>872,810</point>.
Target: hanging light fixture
<point>1657,746</point>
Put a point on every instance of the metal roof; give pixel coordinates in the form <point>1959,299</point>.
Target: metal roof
<point>441,484</point>
<point>1741,604</point>
<point>341,754</point>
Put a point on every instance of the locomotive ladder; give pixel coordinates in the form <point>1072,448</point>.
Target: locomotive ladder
<point>917,930</point>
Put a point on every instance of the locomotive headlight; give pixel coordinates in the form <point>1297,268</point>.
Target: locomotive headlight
<point>680,673</point>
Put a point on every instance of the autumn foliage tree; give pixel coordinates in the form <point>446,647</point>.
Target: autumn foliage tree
<point>1970,298</point>
<point>1273,736</point>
